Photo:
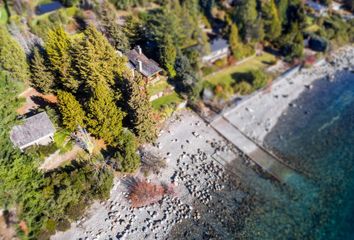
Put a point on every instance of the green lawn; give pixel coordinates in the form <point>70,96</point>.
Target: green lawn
<point>3,15</point>
<point>225,76</point>
<point>158,87</point>
<point>172,98</point>
<point>62,141</point>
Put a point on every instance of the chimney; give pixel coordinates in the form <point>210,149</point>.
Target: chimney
<point>140,66</point>
<point>138,48</point>
<point>120,54</point>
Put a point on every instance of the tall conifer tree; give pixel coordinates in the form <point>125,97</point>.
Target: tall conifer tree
<point>41,76</point>
<point>272,23</point>
<point>96,60</point>
<point>12,57</point>
<point>58,48</point>
<point>71,111</point>
<point>235,43</point>
<point>104,117</point>
<point>140,110</point>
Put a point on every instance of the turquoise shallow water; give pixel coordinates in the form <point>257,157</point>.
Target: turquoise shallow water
<point>316,138</point>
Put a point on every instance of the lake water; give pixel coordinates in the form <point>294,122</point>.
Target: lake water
<point>316,138</point>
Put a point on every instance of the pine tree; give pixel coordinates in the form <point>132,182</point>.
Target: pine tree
<point>113,31</point>
<point>126,156</point>
<point>58,48</point>
<point>12,57</point>
<point>96,60</point>
<point>235,43</point>
<point>140,110</point>
<point>104,117</point>
<point>246,18</point>
<point>283,8</point>
<point>272,24</point>
<point>41,77</point>
<point>187,79</point>
<point>71,111</point>
<point>168,55</point>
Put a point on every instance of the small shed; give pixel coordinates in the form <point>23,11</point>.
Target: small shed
<point>36,130</point>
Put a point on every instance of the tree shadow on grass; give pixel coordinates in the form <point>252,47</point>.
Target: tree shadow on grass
<point>244,76</point>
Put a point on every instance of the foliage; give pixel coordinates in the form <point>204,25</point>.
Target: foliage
<point>282,9</point>
<point>96,60</point>
<point>126,4</point>
<point>69,3</point>
<point>168,101</point>
<point>104,118</point>
<point>58,46</point>
<point>71,111</point>
<point>41,199</point>
<point>41,77</point>
<point>236,44</point>
<point>12,57</point>
<point>113,31</point>
<point>259,79</point>
<point>126,157</point>
<point>144,193</point>
<point>168,55</point>
<point>272,24</point>
<point>186,79</point>
<point>243,88</point>
<point>139,110</point>
<point>246,18</point>
<point>292,44</point>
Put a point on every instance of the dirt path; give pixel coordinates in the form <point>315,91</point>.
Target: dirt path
<point>56,159</point>
<point>30,94</point>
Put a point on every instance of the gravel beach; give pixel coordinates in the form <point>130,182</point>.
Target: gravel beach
<point>257,115</point>
<point>206,171</point>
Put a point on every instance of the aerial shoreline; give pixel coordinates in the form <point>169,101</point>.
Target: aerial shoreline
<point>193,159</point>
<point>258,114</point>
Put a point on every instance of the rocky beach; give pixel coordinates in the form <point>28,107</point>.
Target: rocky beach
<point>212,180</point>
<point>258,114</point>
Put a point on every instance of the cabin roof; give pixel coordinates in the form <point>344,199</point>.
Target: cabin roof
<point>33,129</point>
<point>149,66</point>
<point>218,44</point>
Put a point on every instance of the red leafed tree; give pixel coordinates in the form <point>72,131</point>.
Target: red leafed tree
<point>144,193</point>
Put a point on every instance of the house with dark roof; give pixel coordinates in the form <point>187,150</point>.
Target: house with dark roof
<point>36,130</point>
<point>316,7</point>
<point>219,48</point>
<point>144,65</point>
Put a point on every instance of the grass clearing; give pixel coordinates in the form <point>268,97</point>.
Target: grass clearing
<point>3,15</point>
<point>62,141</point>
<point>167,100</point>
<point>227,75</point>
<point>158,87</point>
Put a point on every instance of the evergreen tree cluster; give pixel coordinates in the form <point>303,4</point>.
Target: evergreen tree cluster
<point>44,201</point>
<point>95,89</point>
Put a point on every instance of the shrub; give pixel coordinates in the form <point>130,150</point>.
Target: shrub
<point>243,88</point>
<point>144,193</point>
<point>208,70</point>
<point>259,79</point>
<point>221,63</point>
